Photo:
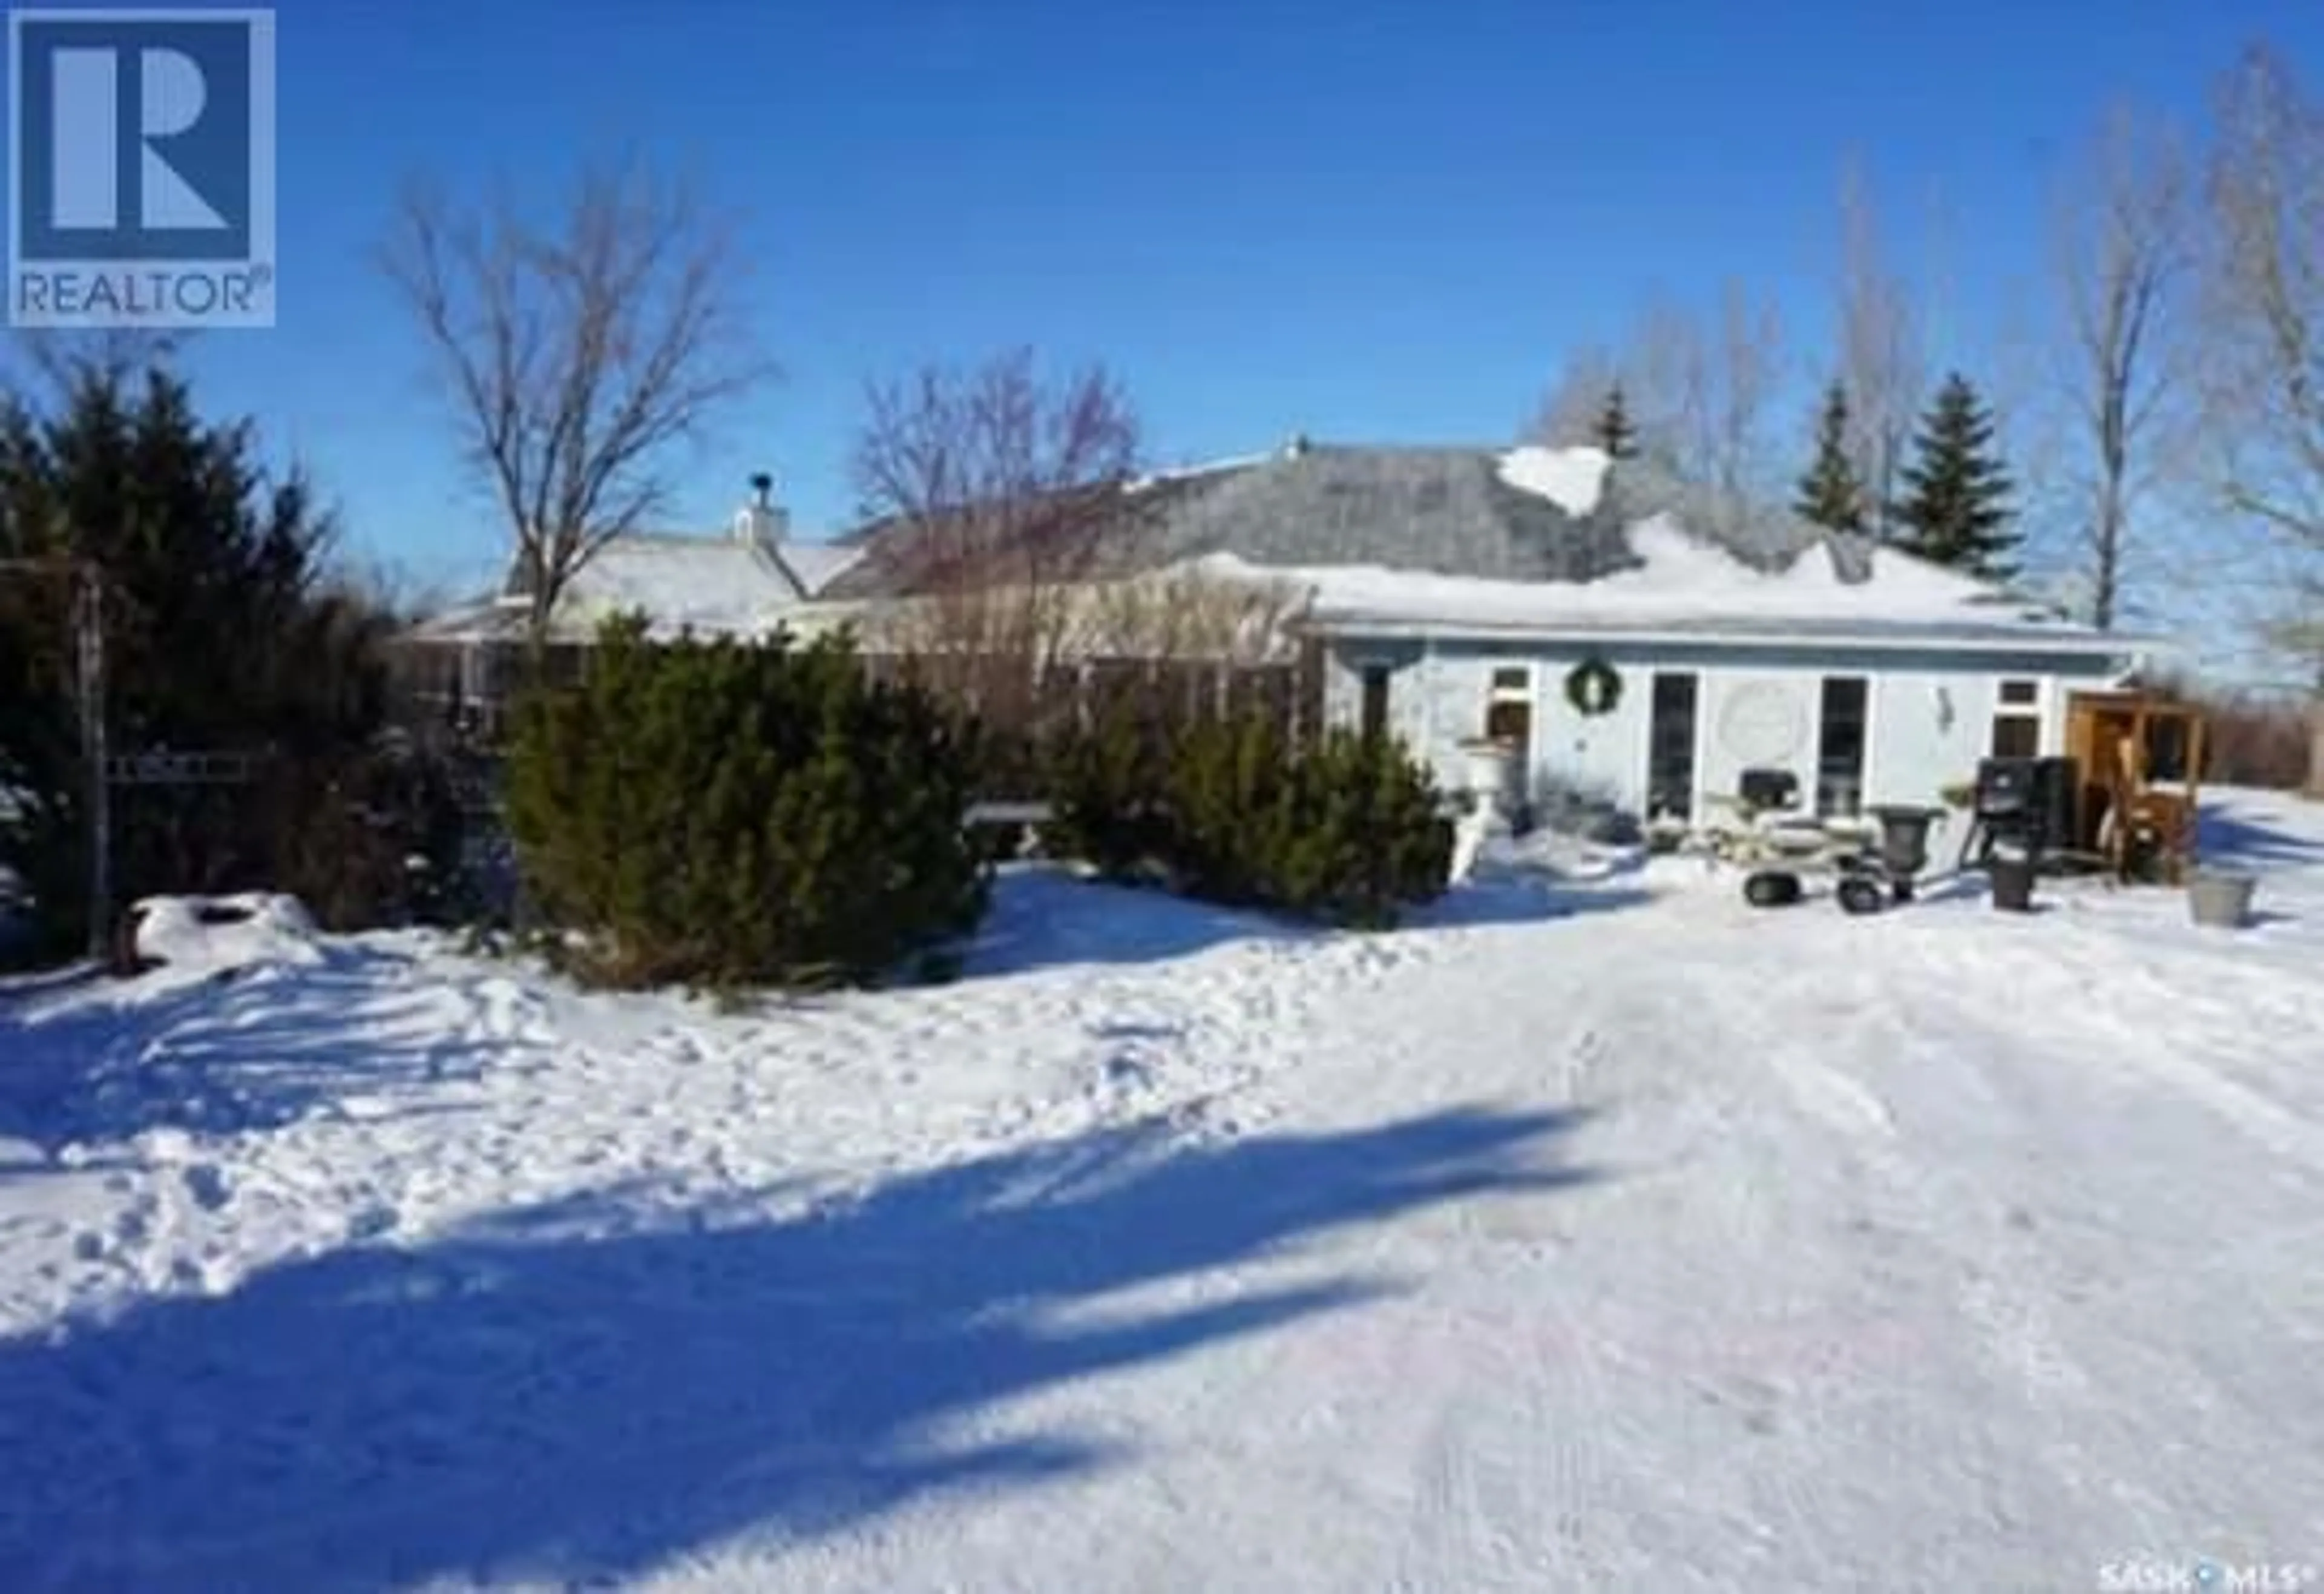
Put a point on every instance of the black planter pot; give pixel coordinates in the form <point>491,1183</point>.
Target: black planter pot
<point>1905,843</point>
<point>2013,882</point>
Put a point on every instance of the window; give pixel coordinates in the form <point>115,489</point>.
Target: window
<point>1839,745</point>
<point>1670,748</point>
<point>1374,708</point>
<point>2016,736</point>
<point>1509,710</point>
<point>2017,719</point>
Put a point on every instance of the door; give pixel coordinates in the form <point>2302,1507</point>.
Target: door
<point>1671,724</point>
<point>1508,717</point>
<point>1843,721</point>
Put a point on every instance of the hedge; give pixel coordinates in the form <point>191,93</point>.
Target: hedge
<point>725,815</point>
<point>1346,830</point>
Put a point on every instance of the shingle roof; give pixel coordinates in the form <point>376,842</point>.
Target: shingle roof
<point>1442,510</point>
<point>1467,537</point>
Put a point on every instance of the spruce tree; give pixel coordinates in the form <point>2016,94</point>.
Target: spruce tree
<point>1829,494</point>
<point>1614,431</point>
<point>1955,510</point>
<point>224,632</point>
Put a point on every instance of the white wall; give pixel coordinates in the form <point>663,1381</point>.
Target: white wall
<point>1929,729</point>
<point>1931,715</point>
<point>1755,718</point>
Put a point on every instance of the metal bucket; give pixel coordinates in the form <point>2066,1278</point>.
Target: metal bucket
<point>2221,899</point>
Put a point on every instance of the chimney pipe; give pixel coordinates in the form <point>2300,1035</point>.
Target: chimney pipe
<point>762,489</point>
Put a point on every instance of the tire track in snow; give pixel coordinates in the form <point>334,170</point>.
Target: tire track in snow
<point>2012,1326</point>
<point>1573,1409</point>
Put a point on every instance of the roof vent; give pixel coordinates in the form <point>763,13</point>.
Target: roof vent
<point>1295,445</point>
<point>762,489</point>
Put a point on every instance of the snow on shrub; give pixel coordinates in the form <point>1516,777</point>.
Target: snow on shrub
<point>723,814</point>
<point>1346,830</point>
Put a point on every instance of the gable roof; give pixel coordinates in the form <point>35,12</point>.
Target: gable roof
<point>712,585</point>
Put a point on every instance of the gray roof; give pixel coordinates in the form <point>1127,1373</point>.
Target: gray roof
<point>1444,510</point>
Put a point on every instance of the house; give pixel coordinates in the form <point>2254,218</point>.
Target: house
<point>741,582</point>
<point>1628,641</point>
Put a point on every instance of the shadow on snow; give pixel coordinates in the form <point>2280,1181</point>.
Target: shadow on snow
<point>595,1387</point>
<point>262,1049</point>
<point>2246,840</point>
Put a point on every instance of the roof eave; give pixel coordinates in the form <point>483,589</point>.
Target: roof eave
<point>2095,644</point>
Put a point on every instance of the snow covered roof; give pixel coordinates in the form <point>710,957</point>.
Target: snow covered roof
<point>1683,586</point>
<point>1571,478</point>
<point>1453,511</point>
<point>1442,539</point>
<point>1407,541</point>
<point>711,585</point>
<point>815,565</point>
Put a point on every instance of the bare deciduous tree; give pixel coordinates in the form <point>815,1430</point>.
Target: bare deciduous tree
<point>1741,388</point>
<point>1701,392</point>
<point>1010,492</point>
<point>1881,364</point>
<point>2264,330</point>
<point>1669,382</point>
<point>2123,257</point>
<point>1186,614</point>
<point>581,352</point>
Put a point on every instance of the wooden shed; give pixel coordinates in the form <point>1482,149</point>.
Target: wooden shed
<point>2139,758</point>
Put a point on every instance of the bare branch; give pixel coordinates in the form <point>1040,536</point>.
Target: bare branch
<point>2266,297</point>
<point>1881,363</point>
<point>64,358</point>
<point>1698,394</point>
<point>1011,492</point>
<point>2263,376</point>
<point>580,354</point>
<point>2124,254</point>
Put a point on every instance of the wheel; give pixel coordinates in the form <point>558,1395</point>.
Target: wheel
<point>1860,895</point>
<point>1772,888</point>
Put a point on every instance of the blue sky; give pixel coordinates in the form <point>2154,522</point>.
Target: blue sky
<point>1380,222</point>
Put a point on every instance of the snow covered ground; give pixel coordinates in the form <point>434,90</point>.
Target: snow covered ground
<point>1607,1236</point>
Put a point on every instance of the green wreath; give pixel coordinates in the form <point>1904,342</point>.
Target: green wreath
<point>1593,687</point>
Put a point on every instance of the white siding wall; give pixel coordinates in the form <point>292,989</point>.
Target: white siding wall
<point>1929,729</point>
<point>1416,686</point>
<point>1597,754</point>
<point>1755,717</point>
<point>1931,719</point>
